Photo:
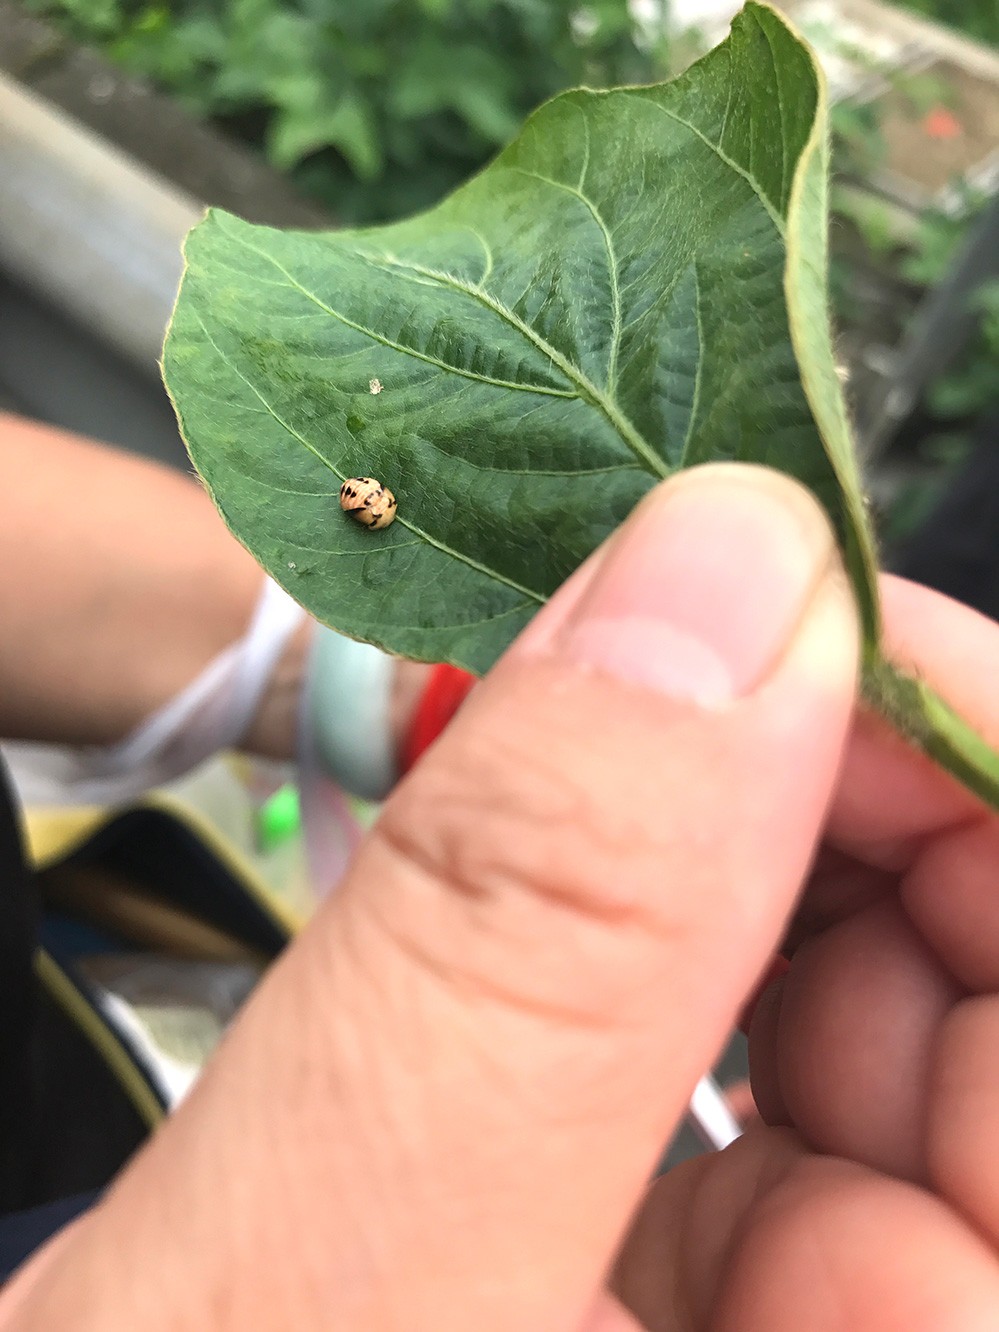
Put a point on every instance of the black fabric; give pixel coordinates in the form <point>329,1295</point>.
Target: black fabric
<point>156,852</point>
<point>17,1005</point>
<point>22,1233</point>
<point>65,1123</point>
<point>83,1127</point>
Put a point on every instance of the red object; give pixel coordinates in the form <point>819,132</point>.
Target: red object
<point>446,690</point>
<point>942,124</point>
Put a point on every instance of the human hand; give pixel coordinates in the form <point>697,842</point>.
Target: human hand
<point>441,1108</point>
<point>877,1206</point>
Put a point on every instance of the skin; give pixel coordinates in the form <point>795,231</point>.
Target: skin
<point>877,1206</point>
<point>442,1107</point>
<point>124,562</point>
<point>119,586</point>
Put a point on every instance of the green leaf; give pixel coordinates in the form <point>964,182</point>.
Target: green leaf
<point>348,125</point>
<point>637,284</point>
<point>806,284</point>
<point>599,307</point>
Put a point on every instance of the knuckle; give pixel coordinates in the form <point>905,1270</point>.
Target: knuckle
<point>525,872</point>
<point>513,820</point>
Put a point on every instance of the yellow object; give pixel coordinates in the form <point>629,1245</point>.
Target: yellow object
<point>140,872</point>
<point>54,833</point>
<point>101,1036</point>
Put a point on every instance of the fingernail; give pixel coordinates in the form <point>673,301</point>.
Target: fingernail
<point>704,586</point>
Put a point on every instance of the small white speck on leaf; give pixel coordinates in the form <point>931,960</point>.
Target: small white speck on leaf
<point>292,564</point>
<point>375,386</point>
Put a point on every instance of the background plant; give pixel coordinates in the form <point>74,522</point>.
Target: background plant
<point>890,261</point>
<point>380,107</point>
<point>376,107</point>
<point>977,18</point>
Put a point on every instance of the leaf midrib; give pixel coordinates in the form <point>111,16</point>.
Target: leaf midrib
<point>405,350</point>
<point>586,389</point>
<point>584,386</point>
<point>723,156</point>
<point>612,264</point>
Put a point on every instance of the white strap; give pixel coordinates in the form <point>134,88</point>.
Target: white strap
<point>212,713</point>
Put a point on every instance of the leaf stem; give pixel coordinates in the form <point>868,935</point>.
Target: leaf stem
<point>933,726</point>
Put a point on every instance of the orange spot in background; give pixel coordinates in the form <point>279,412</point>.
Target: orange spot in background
<point>942,124</point>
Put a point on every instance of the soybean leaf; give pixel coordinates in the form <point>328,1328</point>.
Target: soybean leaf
<point>635,285</point>
<point>599,307</point>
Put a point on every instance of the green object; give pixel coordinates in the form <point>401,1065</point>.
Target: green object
<point>279,818</point>
<point>976,18</point>
<point>637,284</point>
<point>377,107</point>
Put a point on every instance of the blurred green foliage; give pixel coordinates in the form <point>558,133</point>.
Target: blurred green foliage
<point>375,107</point>
<point>919,263</point>
<point>973,385</point>
<point>976,18</point>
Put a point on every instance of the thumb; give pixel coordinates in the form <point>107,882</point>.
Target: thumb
<point>476,1053</point>
<point>594,865</point>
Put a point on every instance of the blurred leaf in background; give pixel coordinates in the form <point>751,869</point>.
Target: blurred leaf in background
<point>976,18</point>
<point>973,386</point>
<point>375,107</point>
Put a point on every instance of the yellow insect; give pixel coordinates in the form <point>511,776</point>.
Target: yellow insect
<point>367,501</point>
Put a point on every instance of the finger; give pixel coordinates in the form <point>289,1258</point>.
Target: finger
<point>565,935</point>
<point>851,1051</point>
<point>892,804</point>
<point>859,1017</point>
<point>963,1119</point>
<point>950,896</point>
<point>609,1315</point>
<point>839,886</point>
<point>910,919</point>
<point>836,1248</point>
<point>765,1237</point>
<point>455,1084</point>
<point>673,1261</point>
<point>764,1056</point>
<point>947,644</point>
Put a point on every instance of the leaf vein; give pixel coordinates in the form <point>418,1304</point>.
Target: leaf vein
<point>399,346</point>
<point>784,171</point>
<point>586,150</point>
<point>730,162</point>
<point>442,546</point>
<point>696,396</point>
<point>585,386</point>
<point>612,267</point>
<point>378,627</point>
